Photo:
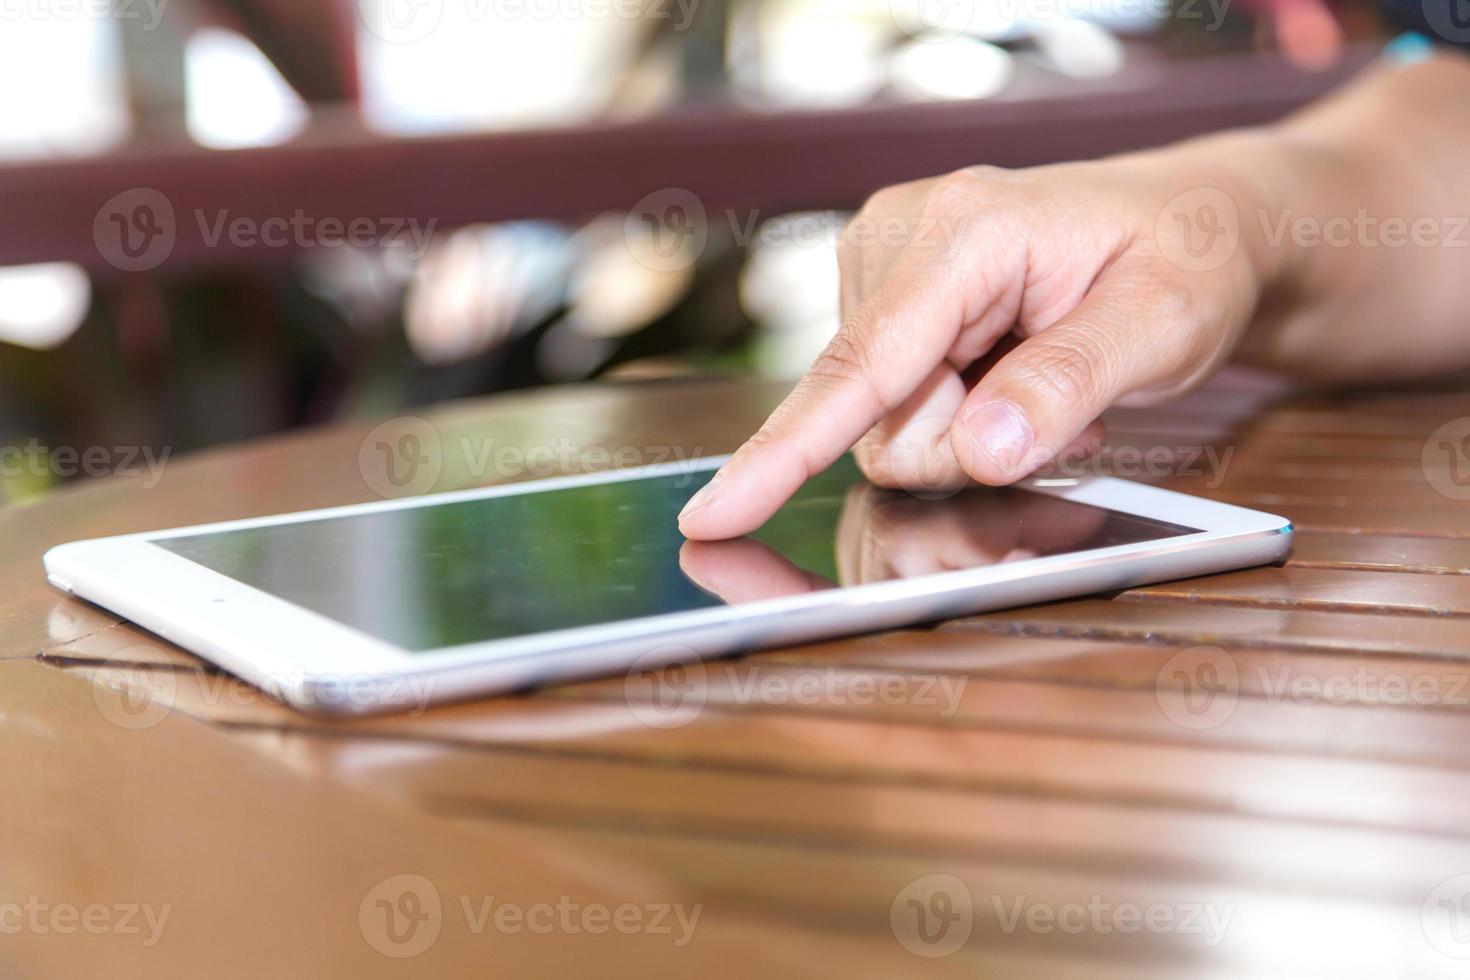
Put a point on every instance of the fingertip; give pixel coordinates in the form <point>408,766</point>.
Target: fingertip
<point>695,530</point>
<point>699,527</point>
<point>731,504</point>
<point>690,522</point>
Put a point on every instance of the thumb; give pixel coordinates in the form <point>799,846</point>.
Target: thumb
<point>1127,335</point>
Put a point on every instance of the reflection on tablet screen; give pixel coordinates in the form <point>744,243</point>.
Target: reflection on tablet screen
<point>474,570</point>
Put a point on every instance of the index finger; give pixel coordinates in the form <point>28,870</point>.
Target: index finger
<point>881,354</point>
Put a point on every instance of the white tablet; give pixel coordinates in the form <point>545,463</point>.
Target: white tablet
<point>382,606</point>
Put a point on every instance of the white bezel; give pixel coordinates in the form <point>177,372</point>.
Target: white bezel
<point>317,663</point>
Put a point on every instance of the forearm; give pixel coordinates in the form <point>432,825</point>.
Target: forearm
<point>1127,278</point>
<point>1358,217</point>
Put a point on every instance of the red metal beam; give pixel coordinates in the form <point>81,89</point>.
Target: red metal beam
<point>730,158</point>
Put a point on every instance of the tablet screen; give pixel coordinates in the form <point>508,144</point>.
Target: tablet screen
<point>468,571</point>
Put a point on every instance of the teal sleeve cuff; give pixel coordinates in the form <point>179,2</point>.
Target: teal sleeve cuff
<point>1408,49</point>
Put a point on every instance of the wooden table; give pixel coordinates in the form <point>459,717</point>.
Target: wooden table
<point>1257,773</point>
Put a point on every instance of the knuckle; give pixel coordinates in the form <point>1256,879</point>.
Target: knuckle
<point>981,207</point>
<point>894,199</point>
<point>1175,299</point>
<point>1181,317</point>
<point>767,436</point>
<point>988,174</point>
<point>1071,370</point>
<point>883,207</point>
<point>1168,298</point>
<point>847,363</point>
<point>1176,309</point>
<point>957,193</point>
<point>771,443</point>
<point>882,201</point>
<point>843,360</point>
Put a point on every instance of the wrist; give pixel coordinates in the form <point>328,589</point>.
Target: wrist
<point>1260,173</point>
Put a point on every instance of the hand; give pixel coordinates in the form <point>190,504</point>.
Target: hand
<point>1079,263</point>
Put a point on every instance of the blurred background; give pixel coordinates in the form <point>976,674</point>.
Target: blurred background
<point>228,218</point>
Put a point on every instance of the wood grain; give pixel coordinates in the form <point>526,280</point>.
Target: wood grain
<point>1283,742</point>
<point>1380,552</point>
<point>1321,588</point>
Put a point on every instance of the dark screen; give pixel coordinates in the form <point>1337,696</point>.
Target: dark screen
<point>468,571</point>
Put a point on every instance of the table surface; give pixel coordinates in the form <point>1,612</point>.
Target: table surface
<point>1254,773</point>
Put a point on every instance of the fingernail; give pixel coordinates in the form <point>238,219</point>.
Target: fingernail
<point>698,501</point>
<point>1000,431</point>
